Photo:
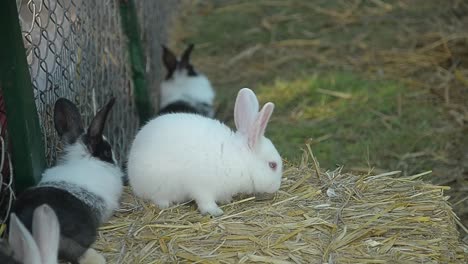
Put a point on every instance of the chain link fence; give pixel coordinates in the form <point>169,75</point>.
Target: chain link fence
<point>154,17</point>
<point>77,49</point>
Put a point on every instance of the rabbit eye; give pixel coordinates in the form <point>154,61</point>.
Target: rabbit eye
<point>273,165</point>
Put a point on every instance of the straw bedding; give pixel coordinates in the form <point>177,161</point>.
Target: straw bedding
<point>317,217</point>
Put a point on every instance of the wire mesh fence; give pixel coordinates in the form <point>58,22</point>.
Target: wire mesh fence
<point>77,49</point>
<point>154,17</point>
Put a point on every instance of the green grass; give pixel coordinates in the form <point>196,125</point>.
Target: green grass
<point>361,127</point>
<point>369,124</point>
<point>237,26</point>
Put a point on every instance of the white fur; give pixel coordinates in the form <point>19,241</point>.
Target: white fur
<point>42,246</point>
<point>78,167</point>
<point>177,157</point>
<point>22,242</point>
<point>191,89</point>
<point>46,233</point>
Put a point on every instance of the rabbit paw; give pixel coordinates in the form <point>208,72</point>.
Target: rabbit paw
<point>91,256</point>
<point>162,204</point>
<point>209,207</point>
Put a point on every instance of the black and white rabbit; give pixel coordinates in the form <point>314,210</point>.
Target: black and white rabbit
<point>184,89</point>
<point>39,248</point>
<point>84,188</point>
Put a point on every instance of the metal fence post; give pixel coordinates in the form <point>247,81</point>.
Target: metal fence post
<point>25,135</point>
<point>137,61</point>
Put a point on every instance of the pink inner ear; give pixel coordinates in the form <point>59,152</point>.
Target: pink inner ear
<point>245,110</point>
<point>260,124</point>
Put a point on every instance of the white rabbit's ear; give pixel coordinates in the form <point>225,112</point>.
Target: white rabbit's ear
<point>23,245</point>
<point>245,110</point>
<point>46,232</point>
<point>258,128</point>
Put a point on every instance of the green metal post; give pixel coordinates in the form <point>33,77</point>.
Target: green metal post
<point>131,29</point>
<point>27,148</point>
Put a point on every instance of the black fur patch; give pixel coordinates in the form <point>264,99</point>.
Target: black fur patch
<point>169,60</point>
<point>172,64</point>
<point>125,180</point>
<point>6,253</point>
<point>178,107</point>
<point>204,109</point>
<point>102,151</point>
<point>191,71</point>
<point>169,75</point>
<point>78,222</point>
<point>67,120</point>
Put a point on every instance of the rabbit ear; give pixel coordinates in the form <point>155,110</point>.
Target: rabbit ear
<point>245,110</point>
<point>23,245</point>
<point>46,232</point>
<point>258,128</point>
<point>169,59</point>
<point>67,120</point>
<point>96,128</point>
<point>185,59</point>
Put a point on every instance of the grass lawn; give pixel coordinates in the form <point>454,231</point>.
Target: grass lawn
<point>352,122</point>
<point>368,84</point>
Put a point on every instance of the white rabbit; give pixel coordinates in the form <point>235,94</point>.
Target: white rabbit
<point>39,248</point>
<point>178,157</point>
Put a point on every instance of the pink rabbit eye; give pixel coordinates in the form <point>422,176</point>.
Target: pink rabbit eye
<point>273,165</point>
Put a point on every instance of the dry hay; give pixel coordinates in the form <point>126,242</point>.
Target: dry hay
<point>326,217</point>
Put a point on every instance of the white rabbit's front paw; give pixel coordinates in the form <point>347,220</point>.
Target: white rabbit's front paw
<point>209,207</point>
<point>162,204</point>
<point>214,211</point>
